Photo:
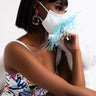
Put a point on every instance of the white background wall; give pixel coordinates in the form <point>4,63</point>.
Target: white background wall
<point>8,30</point>
<point>86,21</point>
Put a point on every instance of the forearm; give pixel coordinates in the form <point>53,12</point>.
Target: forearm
<point>77,72</point>
<point>81,91</point>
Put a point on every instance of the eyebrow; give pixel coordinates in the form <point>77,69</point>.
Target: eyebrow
<point>59,2</point>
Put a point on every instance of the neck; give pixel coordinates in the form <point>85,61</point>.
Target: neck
<point>36,39</point>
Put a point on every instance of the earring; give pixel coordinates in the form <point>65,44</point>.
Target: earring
<point>36,19</point>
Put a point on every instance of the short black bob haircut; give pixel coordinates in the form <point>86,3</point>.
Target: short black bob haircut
<point>26,12</point>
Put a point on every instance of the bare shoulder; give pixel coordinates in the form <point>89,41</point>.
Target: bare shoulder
<point>13,47</point>
<point>14,53</point>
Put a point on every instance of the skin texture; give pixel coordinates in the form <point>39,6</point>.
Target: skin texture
<point>77,75</point>
<point>39,67</point>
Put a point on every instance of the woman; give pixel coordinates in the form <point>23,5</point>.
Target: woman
<point>24,58</point>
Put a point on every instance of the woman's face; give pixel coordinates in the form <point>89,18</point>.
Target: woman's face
<point>56,7</point>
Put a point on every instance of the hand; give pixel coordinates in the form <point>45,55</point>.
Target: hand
<point>73,43</point>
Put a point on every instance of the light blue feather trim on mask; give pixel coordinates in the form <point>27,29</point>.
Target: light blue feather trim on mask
<point>66,26</point>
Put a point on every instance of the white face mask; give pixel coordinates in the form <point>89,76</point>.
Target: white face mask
<point>52,21</point>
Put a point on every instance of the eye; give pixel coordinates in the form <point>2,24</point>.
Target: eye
<point>65,11</point>
<point>58,8</point>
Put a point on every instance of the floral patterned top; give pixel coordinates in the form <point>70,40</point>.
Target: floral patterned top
<point>17,85</point>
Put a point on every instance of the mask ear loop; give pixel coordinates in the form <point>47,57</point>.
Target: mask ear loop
<point>43,7</point>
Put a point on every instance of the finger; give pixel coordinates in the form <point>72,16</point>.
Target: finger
<point>62,37</point>
<point>66,41</point>
<point>74,35</point>
<point>66,33</point>
<point>68,36</point>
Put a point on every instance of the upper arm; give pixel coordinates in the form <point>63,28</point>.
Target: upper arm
<point>24,62</point>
